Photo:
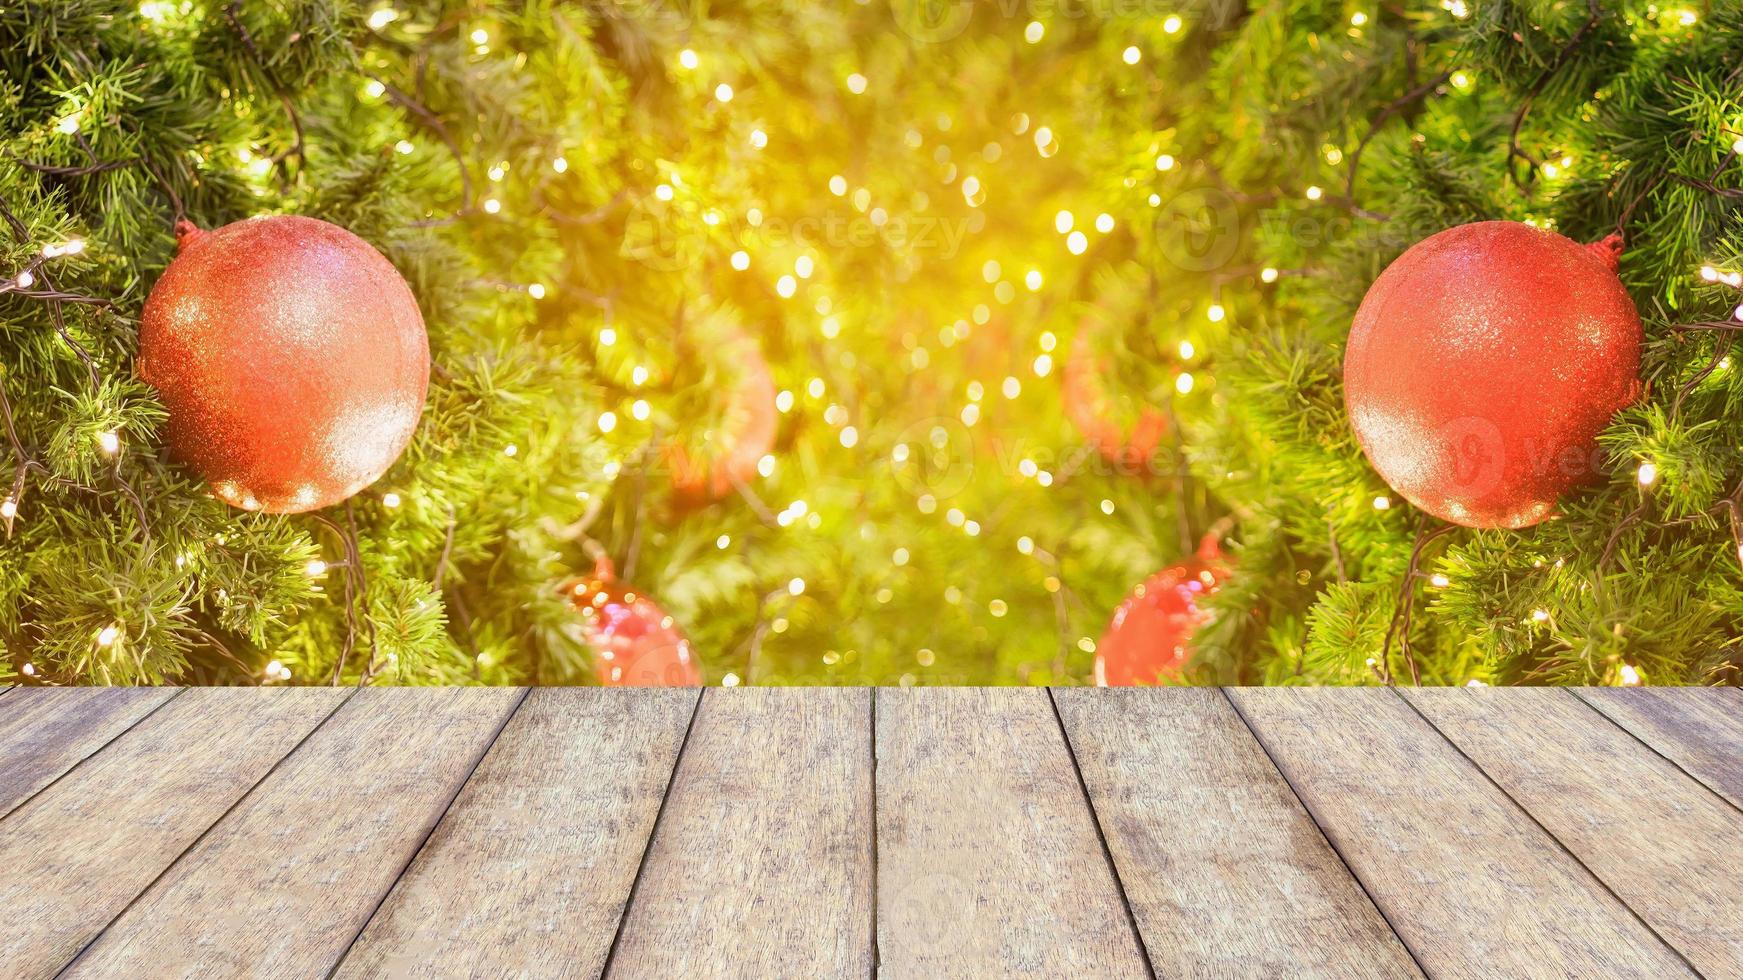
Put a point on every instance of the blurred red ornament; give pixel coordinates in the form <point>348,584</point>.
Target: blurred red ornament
<point>292,359</point>
<point>1150,638</point>
<point>1125,437</point>
<point>635,643</point>
<point>745,434</point>
<point>1482,365</point>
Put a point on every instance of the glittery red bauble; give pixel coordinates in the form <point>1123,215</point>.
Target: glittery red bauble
<point>1125,437</point>
<point>745,432</point>
<point>1150,637</point>
<point>635,644</point>
<point>292,359</point>
<point>1482,365</point>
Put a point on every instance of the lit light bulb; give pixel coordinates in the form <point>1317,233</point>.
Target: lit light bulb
<point>1131,55</point>
<point>723,92</point>
<point>1648,474</point>
<point>688,60</point>
<point>109,443</point>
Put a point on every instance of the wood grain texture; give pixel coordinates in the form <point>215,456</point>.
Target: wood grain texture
<point>1226,874</point>
<point>1642,825</point>
<point>1472,885</point>
<point>529,872</point>
<point>46,731</point>
<point>282,885</point>
<point>989,861</point>
<point>1699,729</point>
<point>78,852</point>
<point>761,864</point>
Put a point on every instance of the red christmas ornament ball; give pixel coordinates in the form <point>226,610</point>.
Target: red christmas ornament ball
<point>745,433</point>
<point>292,359</point>
<point>1125,437</point>
<point>1482,365</point>
<point>635,643</point>
<point>1149,639</point>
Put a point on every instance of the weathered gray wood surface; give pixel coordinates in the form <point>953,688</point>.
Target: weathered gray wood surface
<point>851,832</point>
<point>1637,821</point>
<point>989,861</point>
<point>285,881</point>
<point>1469,881</point>
<point>1201,825</point>
<point>1700,730</point>
<point>43,733</point>
<point>528,873</point>
<point>761,863</point>
<point>83,848</point>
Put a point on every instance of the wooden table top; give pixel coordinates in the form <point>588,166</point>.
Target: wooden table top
<point>841,832</point>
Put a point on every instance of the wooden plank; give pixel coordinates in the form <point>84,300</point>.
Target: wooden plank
<point>989,861</point>
<point>1226,874</point>
<point>529,872</point>
<point>46,731</point>
<point>1639,823</point>
<point>761,864</point>
<point>1700,729</point>
<point>1471,884</point>
<point>283,884</point>
<point>79,851</point>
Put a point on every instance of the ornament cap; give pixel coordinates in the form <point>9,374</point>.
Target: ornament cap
<point>604,570</point>
<point>187,233</point>
<point>1608,251</point>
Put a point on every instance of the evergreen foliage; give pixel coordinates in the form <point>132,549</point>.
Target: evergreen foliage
<point>595,202</point>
